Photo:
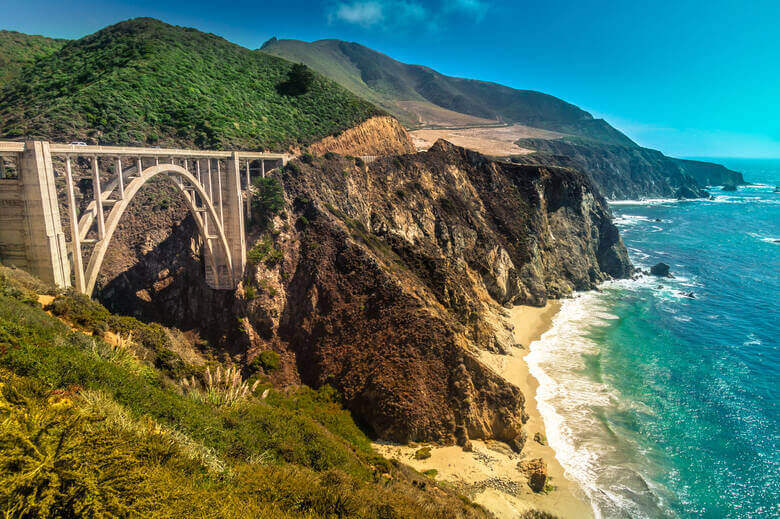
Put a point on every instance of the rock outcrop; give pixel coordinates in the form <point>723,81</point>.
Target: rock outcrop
<point>382,135</point>
<point>536,472</point>
<point>385,276</point>
<point>709,174</point>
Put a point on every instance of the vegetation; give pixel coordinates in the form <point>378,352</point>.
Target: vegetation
<point>268,200</point>
<point>268,360</point>
<point>299,81</point>
<point>89,431</point>
<point>264,251</point>
<point>423,453</point>
<point>18,50</point>
<point>143,81</point>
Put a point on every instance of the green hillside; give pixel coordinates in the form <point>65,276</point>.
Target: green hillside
<point>144,81</point>
<point>414,92</point>
<point>18,50</point>
<point>92,426</point>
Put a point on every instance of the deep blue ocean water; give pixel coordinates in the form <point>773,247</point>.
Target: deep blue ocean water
<point>662,405</point>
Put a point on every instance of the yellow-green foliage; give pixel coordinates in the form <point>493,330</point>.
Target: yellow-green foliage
<point>89,430</point>
<point>53,465</point>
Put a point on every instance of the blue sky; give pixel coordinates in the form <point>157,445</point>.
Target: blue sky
<point>691,78</point>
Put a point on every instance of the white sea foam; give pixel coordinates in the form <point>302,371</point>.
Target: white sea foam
<point>647,201</point>
<point>571,405</point>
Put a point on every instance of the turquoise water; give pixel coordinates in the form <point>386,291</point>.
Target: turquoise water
<point>662,405</point>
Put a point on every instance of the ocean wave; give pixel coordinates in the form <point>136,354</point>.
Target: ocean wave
<point>648,201</point>
<point>766,239</point>
<point>572,405</point>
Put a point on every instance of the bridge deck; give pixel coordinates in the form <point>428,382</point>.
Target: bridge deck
<point>130,151</point>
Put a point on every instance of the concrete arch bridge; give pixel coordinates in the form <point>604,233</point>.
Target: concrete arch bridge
<point>215,186</point>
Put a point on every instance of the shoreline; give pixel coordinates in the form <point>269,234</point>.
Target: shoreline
<point>489,474</point>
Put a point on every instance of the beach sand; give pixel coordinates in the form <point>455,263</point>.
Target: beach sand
<point>489,474</point>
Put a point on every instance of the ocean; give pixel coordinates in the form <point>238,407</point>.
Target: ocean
<point>665,405</point>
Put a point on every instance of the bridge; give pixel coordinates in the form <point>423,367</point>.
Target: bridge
<point>216,186</point>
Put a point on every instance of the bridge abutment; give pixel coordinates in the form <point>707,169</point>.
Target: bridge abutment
<point>32,236</point>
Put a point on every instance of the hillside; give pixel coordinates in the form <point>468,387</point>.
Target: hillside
<point>420,96</point>
<point>96,420</point>
<point>18,50</point>
<point>146,82</point>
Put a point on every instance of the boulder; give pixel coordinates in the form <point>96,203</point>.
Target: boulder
<point>536,471</point>
<point>661,269</point>
<point>729,187</point>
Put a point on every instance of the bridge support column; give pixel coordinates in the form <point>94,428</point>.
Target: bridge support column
<point>233,217</point>
<point>47,255</point>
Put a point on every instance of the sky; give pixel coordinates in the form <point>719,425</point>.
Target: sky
<point>690,78</point>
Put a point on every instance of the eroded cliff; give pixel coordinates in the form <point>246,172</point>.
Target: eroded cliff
<point>381,135</point>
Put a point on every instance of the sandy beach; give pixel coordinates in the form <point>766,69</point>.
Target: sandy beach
<point>489,474</point>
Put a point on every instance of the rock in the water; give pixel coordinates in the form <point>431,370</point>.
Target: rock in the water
<point>661,269</point>
<point>687,192</point>
<point>777,189</point>
<point>691,295</point>
<point>536,470</point>
<point>729,187</point>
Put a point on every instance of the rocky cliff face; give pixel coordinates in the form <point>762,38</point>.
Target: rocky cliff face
<point>619,172</point>
<point>709,174</point>
<point>382,135</point>
<point>385,280</point>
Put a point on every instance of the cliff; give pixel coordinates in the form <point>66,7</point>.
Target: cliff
<point>384,280</point>
<point>619,172</point>
<point>709,174</point>
<point>382,135</point>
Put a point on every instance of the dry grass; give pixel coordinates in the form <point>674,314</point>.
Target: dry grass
<point>224,387</point>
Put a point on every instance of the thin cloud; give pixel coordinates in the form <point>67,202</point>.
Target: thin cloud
<point>400,14</point>
<point>365,14</point>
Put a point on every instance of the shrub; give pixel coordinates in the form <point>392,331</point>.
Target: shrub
<point>264,251</point>
<point>268,201</point>
<point>299,81</point>
<point>268,360</point>
<point>52,465</point>
<point>423,454</point>
<point>307,158</point>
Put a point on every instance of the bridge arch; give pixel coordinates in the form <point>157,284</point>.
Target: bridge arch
<point>186,182</point>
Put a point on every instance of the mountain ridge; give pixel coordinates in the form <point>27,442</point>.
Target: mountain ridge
<point>385,81</point>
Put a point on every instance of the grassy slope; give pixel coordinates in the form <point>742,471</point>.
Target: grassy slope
<point>18,50</point>
<point>386,81</point>
<point>88,429</point>
<point>144,81</point>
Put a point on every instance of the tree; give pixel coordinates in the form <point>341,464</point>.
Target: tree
<point>299,80</point>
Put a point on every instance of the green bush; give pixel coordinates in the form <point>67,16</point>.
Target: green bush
<point>423,453</point>
<point>299,81</point>
<point>265,251</point>
<point>268,201</point>
<point>268,360</point>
